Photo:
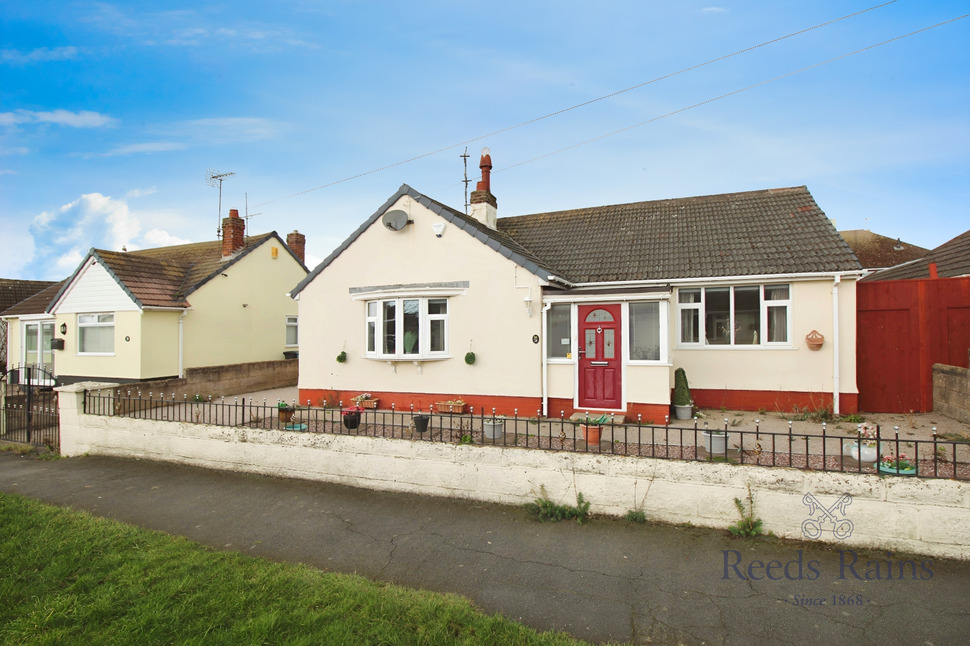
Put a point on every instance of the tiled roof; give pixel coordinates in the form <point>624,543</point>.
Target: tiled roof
<point>774,231</point>
<point>875,251</point>
<point>165,276</point>
<point>14,291</point>
<point>952,259</point>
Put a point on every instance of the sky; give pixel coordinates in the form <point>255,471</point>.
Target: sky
<point>113,114</point>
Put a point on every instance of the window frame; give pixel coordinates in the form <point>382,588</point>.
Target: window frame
<point>700,307</point>
<point>374,344</point>
<point>293,322</point>
<point>662,317</point>
<point>567,356</point>
<point>98,324</point>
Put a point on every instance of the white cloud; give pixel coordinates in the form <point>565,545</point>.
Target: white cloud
<point>140,149</point>
<point>62,236</point>
<point>159,238</point>
<point>81,119</point>
<point>38,55</point>
<point>140,192</point>
<point>20,150</point>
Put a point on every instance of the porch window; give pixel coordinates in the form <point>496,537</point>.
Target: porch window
<point>734,316</point>
<point>37,344</point>
<point>96,333</point>
<point>407,328</point>
<point>559,331</point>
<point>645,331</point>
<point>292,331</point>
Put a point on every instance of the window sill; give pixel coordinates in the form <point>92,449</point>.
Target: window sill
<point>95,354</point>
<point>743,348</point>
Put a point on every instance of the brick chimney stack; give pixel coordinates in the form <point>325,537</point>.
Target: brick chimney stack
<point>484,206</point>
<point>296,241</point>
<point>233,233</point>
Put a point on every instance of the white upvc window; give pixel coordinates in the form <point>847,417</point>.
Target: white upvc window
<point>407,328</point>
<point>741,315</point>
<point>292,331</point>
<point>96,334</point>
<point>648,331</point>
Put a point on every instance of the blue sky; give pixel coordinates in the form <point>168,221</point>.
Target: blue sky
<point>112,113</point>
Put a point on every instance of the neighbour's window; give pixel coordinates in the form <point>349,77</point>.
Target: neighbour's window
<point>645,331</point>
<point>738,316</point>
<point>96,333</point>
<point>558,331</point>
<point>407,328</point>
<point>292,331</point>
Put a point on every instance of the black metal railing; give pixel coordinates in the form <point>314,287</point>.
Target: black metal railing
<point>696,441</point>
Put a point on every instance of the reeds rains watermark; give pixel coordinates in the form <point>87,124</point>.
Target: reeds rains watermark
<point>823,518</point>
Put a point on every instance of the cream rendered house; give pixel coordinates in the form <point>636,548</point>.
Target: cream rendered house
<point>132,316</point>
<point>590,309</point>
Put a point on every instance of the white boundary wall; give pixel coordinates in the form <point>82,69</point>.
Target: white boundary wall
<point>888,512</point>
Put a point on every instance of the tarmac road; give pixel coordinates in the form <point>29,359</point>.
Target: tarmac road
<point>608,580</point>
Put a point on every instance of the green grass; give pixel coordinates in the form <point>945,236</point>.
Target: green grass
<point>67,577</point>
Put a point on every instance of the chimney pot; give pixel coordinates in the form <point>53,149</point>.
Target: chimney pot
<point>484,206</point>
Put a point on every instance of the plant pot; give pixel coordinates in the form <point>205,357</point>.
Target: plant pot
<point>493,428</point>
<point>286,414</point>
<point>715,443</point>
<point>421,423</point>
<point>444,407</point>
<point>351,420</point>
<point>683,412</point>
<point>866,454</point>
<point>592,433</point>
<point>893,472</point>
<point>368,403</point>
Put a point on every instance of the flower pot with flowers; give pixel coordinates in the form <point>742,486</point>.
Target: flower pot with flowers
<point>351,417</point>
<point>864,448</point>
<point>364,400</point>
<point>897,465</point>
<point>285,411</point>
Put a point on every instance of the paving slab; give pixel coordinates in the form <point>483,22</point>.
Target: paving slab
<point>608,580</point>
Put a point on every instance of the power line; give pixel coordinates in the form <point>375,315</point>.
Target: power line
<point>729,94</point>
<point>580,105</point>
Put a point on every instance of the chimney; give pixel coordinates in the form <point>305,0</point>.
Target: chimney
<point>296,241</point>
<point>233,234</point>
<point>484,206</point>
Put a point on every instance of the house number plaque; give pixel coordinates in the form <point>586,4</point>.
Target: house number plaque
<point>535,338</point>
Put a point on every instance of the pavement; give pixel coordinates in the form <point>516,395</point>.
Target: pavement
<point>607,580</point>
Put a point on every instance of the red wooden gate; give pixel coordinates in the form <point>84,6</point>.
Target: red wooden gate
<point>903,327</point>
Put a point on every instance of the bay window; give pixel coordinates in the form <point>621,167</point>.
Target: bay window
<point>406,328</point>
<point>748,315</point>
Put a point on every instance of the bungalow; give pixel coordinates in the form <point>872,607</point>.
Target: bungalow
<point>753,294</point>
<point>153,313</point>
<point>13,291</point>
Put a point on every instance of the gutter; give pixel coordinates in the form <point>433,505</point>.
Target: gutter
<point>709,280</point>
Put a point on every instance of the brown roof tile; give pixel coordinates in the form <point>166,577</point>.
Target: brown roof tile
<point>952,259</point>
<point>36,304</point>
<point>876,251</point>
<point>13,291</point>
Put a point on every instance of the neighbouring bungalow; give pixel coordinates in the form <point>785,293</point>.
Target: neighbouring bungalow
<point>13,291</point>
<point>591,309</point>
<point>153,313</point>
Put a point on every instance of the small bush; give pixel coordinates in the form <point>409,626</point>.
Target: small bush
<point>545,509</point>
<point>636,516</point>
<point>748,526</point>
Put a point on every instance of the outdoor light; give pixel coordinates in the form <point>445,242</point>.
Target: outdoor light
<point>63,328</point>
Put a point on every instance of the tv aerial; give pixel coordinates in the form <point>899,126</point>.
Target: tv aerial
<point>214,179</point>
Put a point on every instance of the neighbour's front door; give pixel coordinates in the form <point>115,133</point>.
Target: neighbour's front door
<point>600,368</point>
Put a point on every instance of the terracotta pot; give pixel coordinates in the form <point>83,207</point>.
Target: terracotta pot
<point>592,433</point>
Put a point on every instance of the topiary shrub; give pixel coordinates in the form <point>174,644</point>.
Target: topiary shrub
<point>681,389</point>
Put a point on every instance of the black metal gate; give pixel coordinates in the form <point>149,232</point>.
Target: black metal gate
<point>28,407</point>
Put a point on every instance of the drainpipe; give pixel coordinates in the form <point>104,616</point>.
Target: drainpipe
<point>182,344</point>
<point>835,344</point>
<point>545,360</point>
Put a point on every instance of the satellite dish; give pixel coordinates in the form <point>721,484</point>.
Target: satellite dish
<point>395,220</point>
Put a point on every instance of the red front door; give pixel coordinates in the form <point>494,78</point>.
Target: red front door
<point>600,369</point>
